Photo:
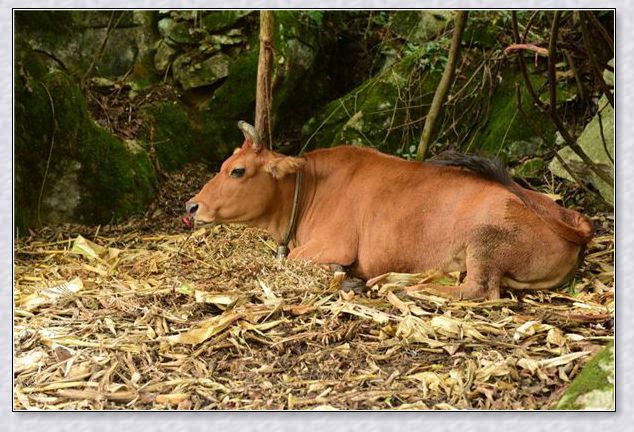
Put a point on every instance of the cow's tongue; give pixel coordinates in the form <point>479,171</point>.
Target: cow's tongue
<point>187,220</point>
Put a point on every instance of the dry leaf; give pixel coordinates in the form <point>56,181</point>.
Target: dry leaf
<point>219,299</point>
<point>29,361</point>
<point>562,360</point>
<point>529,328</point>
<point>204,330</point>
<point>51,294</point>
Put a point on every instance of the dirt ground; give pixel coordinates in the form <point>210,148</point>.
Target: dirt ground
<point>151,315</point>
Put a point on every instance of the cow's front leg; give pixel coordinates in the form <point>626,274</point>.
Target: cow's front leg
<point>321,253</point>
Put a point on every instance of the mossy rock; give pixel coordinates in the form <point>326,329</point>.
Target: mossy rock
<point>377,113</point>
<point>214,21</point>
<point>199,74</point>
<point>175,32</point>
<point>75,38</point>
<point>419,26</point>
<point>178,137</point>
<point>386,112</point>
<point>506,125</point>
<point>92,177</point>
<point>593,388</point>
<point>599,148</point>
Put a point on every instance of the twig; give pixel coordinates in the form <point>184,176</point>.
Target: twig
<point>50,152</point>
<point>605,144</point>
<point>528,25</point>
<point>445,82</point>
<point>52,56</point>
<point>598,73</point>
<point>573,68</point>
<point>111,25</point>
<point>522,66</point>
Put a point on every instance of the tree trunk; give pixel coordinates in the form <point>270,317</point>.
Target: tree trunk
<point>263,99</point>
<point>445,82</point>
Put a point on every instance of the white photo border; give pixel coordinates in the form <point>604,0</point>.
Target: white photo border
<point>622,419</point>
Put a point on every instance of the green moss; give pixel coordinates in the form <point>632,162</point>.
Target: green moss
<point>593,388</point>
<point>530,169</point>
<point>219,20</point>
<point>105,180</point>
<point>484,27</point>
<point>174,138</point>
<point>370,114</point>
<point>505,123</point>
<point>233,101</point>
<point>237,94</point>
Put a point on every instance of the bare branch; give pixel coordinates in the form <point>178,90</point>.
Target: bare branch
<point>598,72</point>
<point>606,37</point>
<point>443,86</point>
<point>605,144</point>
<point>516,47</point>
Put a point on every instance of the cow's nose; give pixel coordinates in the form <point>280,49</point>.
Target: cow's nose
<point>191,207</point>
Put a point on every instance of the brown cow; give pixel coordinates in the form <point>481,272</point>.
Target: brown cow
<point>374,213</point>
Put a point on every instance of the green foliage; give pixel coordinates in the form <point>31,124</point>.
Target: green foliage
<point>316,16</point>
<point>380,18</point>
<point>409,153</point>
<point>434,57</point>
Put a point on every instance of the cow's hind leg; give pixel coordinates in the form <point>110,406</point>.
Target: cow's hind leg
<point>483,286</point>
<point>482,281</point>
<point>489,253</point>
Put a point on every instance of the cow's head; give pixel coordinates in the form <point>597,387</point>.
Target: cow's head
<point>248,184</point>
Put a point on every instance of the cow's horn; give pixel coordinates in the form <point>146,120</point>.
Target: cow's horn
<point>250,134</point>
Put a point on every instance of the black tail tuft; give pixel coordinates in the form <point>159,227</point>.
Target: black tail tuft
<point>492,169</point>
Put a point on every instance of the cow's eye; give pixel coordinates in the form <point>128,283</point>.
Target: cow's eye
<point>237,172</point>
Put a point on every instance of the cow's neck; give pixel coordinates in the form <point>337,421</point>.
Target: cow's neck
<point>279,223</point>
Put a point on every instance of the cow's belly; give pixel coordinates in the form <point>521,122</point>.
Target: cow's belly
<point>417,256</point>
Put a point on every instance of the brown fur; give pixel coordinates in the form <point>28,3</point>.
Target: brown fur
<point>375,213</point>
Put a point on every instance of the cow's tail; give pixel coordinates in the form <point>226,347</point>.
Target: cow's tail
<point>568,224</point>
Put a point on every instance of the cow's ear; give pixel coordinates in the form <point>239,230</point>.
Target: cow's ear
<point>281,166</point>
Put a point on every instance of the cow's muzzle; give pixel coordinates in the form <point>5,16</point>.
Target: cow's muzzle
<point>192,208</point>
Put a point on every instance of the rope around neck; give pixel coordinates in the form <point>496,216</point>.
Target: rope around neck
<point>282,248</point>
